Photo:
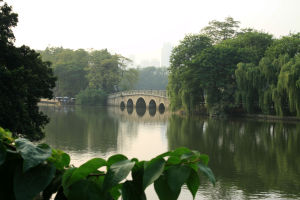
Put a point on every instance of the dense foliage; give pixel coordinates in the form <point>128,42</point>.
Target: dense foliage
<point>86,74</point>
<point>24,79</point>
<point>272,86</point>
<point>228,69</point>
<point>91,96</point>
<point>49,171</point>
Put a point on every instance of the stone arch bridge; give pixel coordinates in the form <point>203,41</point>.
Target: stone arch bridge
<point>140,98</point>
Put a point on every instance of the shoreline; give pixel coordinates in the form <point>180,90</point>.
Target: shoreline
<point>249,116</point>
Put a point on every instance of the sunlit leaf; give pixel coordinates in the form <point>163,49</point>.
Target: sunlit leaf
<point>173,160</point>
<point>117,172</point>
<point>204,158</point>
<point>180,151</point>
<point>115,158</point>
<point>59,158</point>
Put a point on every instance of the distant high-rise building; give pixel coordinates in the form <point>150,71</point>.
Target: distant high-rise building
<point>165,55</point>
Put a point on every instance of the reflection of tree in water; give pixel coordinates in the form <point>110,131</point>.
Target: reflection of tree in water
<point>81,129</point>
<point>253,156</point>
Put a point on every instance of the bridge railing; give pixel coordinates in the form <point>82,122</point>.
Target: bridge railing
<point>160,93</point>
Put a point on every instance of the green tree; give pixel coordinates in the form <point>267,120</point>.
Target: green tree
<point>104,71</point>
<point>270,86</point>
<point>183,87</point>
<point>24,79</point>
<point>69,67</point>
<point>203,68</point>
<point>221,30</point>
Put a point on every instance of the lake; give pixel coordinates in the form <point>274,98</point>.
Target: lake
<point>251,159</point>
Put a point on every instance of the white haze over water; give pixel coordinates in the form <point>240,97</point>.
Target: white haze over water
<point>137,28</point>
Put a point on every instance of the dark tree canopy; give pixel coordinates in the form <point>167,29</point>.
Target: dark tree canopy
<point>24,79</point>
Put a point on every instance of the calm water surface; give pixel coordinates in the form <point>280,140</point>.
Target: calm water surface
<point>250,159</point>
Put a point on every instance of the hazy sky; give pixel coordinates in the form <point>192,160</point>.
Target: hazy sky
<point>138,27</point>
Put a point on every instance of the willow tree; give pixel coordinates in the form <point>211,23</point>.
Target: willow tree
<point>289,83</point>
<point>218,66</point>
<point>248,78</point>
<point>273,80</point>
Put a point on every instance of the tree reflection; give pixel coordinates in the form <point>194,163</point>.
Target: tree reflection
<point>81,129</point>
<point>254,156</point>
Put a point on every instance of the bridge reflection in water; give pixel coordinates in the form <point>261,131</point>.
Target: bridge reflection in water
<point>131,113</point>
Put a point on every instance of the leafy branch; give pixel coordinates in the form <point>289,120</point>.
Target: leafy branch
<point>49,173</point>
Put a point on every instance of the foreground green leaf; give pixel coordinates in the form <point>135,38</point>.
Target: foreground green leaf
<point>176,176</point>
<point>84,190</point>
<point>85,169</point>
<point>65,179</point>
<point>32,155</point>
<point>129,192</point>
<point>115,192</point>
<point>204,158</point>
<point>115,158</point>
<point>152,171</point>
<point>173,160</point>
<point>5,133</point>
<point>207,171</point>
<point>60,159</point>
<point>117,172</point>
<point>193,183</point>
<point>163,190</point>
<point>180,151</point>
<point>27,185</point>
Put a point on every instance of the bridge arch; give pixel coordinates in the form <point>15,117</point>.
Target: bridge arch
<point>141,103</point>
<point>161,108</point>
<point>122,105</point>
<point>152,104</point>
<point>129,103</point>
